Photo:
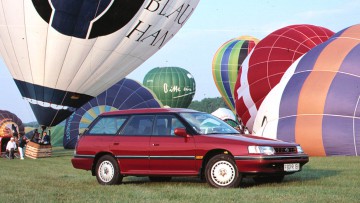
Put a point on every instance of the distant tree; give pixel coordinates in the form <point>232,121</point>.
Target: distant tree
<point>208,105</point>
<point>33,124</point>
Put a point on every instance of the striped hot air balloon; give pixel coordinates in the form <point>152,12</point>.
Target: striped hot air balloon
<point>226,63</point>
<point>317,103</point>
<point>264,67</point>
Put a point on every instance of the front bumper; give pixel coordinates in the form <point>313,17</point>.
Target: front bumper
<point>269,164</point>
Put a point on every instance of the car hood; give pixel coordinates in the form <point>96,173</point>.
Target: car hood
<point>251,139</point>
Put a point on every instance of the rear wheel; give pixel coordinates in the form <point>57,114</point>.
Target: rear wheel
<point>159,179</point>
<point>222,172</point>
<point>107,171</point>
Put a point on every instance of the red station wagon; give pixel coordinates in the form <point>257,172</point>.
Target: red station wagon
<point>166,142</point>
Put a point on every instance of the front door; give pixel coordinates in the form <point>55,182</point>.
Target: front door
<point>171,154</point>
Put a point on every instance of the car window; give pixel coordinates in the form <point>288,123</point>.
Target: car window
<point>139,125</point>
<point>107,125</point>
<point>165,125</point>
<point>204,123</point>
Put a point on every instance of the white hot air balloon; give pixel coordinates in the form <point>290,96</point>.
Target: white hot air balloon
<point>62,53</point>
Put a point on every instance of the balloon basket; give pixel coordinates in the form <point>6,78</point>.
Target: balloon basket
<point>35,150</point>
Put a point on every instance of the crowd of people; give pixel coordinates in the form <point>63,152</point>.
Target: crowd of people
<point>18,142</point>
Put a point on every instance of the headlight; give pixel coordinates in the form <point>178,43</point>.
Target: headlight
<point>299,149</point>
<point>261,150</point>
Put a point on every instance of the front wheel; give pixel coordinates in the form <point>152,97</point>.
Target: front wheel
<point>107,171</point>
<point>222,172</point>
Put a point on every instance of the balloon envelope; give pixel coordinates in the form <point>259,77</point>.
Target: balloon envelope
<point>62,53</point>
<point>126,94</point>
<point>271,57</point>
<point>8,121</point>
<point>174,86</point>
<point>226,63</point>
<point>226,115</point>
<point>316,104</point>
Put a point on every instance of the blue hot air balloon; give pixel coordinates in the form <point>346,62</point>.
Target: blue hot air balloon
<point>126,94</point>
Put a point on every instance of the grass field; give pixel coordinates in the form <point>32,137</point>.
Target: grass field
<point>326,179</point>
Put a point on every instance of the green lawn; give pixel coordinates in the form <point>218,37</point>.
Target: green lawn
<point>326,179</point>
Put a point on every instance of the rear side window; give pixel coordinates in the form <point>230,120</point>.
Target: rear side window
<point>107,125</point>
<point>139,125</point>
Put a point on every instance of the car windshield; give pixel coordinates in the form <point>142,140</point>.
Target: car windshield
<point>206,124</point>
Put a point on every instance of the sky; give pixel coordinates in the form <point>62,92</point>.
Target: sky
<point>211,25</point>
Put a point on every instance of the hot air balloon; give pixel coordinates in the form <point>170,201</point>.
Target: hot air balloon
<point>226,63</point>
<point>316,104</point>
<point>62,54</point>
<point>173,86</point>
<point>126,94</point>
<point>264,67</point>
<point>226,115</point>
<point>10,123</point>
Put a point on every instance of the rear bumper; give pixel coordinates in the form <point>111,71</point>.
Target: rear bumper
<point>84,163</point>
<point>269,164</point>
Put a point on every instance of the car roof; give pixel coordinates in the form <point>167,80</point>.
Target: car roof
<point>149,110</point>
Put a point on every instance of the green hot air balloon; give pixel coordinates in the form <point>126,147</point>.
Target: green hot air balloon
<point>174,86</point>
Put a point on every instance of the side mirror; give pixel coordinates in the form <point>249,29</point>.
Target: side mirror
<point>181,132</point>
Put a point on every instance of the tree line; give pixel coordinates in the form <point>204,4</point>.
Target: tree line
<point>208,105</point>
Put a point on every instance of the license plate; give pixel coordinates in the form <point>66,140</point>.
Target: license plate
<point>292,167</point>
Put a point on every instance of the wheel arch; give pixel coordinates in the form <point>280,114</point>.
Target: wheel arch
<point>96,159</point>
<point>211,154</point>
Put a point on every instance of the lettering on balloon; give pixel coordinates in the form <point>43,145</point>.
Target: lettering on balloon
<point>68,127</point>
<point>187,89</point>
<point>175,89</point>
<point>146,33</point>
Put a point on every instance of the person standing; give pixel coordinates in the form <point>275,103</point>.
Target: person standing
<point>22,143</point>
<point>10,147</point>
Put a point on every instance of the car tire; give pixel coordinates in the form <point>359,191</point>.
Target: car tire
<point>107,171</point>
<point>269,179</point>
<point>159,179</point>
<point>222,172</point>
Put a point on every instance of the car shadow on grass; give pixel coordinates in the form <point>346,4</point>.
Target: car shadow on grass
<point>307,175</point>
<point>145,180</point>
<point>303,177</point>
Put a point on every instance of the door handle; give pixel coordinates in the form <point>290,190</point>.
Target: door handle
<point>156,145</point>
<point>116,143</point>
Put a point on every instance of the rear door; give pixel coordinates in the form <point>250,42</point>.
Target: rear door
<point>100,136</point>
<point>131,146</point>
<point>171,154</point>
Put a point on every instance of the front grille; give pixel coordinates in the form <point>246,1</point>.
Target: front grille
<point>285,150</point>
